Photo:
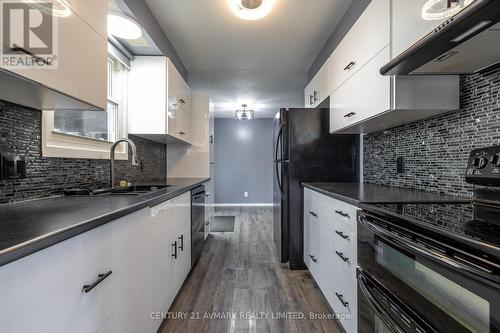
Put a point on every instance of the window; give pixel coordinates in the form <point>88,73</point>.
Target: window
<point>91,124</point>
<point>89,134</point>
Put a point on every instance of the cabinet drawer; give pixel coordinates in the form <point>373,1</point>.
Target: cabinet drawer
<point>345,234</point>
<point>369,35</point>
<point>346,303</point>
<point>364,95</point>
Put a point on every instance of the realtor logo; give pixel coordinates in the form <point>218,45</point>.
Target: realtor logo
<point>29,34</point>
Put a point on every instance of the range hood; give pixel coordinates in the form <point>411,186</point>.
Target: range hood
<point>465,43</point>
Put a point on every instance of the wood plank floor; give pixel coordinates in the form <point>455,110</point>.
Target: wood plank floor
<point>239,272</point>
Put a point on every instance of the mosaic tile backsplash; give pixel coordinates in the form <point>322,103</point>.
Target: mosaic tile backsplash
<point>20,133</point>
<point>435,150</point>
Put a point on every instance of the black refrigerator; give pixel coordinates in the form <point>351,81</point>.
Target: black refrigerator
<point>305,151</point>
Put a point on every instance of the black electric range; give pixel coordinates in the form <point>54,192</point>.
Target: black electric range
<point>433,267</point>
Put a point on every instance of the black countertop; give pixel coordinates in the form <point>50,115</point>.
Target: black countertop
<point>356,193</point>
<point>29,226</point>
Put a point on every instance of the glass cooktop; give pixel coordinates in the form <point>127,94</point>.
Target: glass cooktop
<point>473,221</point>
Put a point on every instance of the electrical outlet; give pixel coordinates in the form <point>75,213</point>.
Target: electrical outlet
<point>400,164</point>
<point>245,194</point>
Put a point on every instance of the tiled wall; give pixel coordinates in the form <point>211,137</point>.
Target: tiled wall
<point>436,149</point>
<point>20,132</point>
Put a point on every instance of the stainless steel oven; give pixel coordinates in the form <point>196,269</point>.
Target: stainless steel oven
<point>411,279</point>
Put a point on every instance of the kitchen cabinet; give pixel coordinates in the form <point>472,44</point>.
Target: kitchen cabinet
<point>73,84</point>
<point>330,252</point>
<point>131,258</point>
<point>318,89</point>
<point>362,100</point>
<point>369,35</point>
<point>409,25</point>
<point>159,101</point>
<point>352,102</point>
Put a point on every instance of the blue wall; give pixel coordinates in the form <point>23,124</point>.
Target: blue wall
<point>243,160</point>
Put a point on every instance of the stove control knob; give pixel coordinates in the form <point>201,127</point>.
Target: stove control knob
<point>480,162</point>
<point>496,160</point>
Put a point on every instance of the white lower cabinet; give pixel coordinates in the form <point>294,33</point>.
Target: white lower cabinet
<point>133,255</point>
<point>330,252</point>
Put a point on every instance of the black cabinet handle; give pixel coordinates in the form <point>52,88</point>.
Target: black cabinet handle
<point>311,100</point>
<point>341,213</point>
<point>313,258</point>
<point>313,213</point>
<point>315,95</point>
<point>31,54</point>
<point>349,66</point>
<point>181,247</point>
<point>341,255</point>
<point>341,299</point>
<point>174,244</point>
<point>101,277</point>
<point>182,133</point>
<point>207,223</point>
<point>182,101</point>
<point>350,114</point>
<point>341,234</point>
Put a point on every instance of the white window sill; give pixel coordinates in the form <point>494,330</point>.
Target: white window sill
<point>56,144</point>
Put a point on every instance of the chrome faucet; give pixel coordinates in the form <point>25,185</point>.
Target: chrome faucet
<point>135,160</point>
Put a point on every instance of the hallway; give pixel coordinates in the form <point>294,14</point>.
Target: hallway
<point>239,274</point>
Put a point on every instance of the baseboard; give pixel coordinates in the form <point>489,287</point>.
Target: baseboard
<point>243,205</point>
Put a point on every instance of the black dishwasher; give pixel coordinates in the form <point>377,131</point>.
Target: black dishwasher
<point>197,222</point>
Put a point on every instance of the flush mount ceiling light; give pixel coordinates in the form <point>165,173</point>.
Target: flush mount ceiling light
<point>244,114</point>
<point>251,9</point>
<point>59,8</point>
<point>122,26</point>
<point>442,9</point>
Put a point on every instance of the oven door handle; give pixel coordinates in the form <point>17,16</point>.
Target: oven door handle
<point>375,305</point>
<point>379,309</point>
<point>428,253</point>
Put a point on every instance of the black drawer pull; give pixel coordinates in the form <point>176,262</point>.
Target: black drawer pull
<point>207,223</point>
<point>350,114</point>
<point>313,258</point>
<point>181,247</point>
<point>341,255</point>
<point>341,213</point>
<point>38,59</point>
<point>101,277</point>
<point>311,100</point>
<point>174,244</point>
<point>341,234</point>
<point>341,299</point>
<point>349,66</point>
<point>313,213</point>
<point>315,95</point>
<point>182,133</point>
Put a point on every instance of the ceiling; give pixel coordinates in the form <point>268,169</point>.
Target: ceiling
<point>209,38</point>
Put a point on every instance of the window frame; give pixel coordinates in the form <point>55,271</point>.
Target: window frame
<point>64,145</point>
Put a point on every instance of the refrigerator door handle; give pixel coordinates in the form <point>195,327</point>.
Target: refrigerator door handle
<point>276,160</point>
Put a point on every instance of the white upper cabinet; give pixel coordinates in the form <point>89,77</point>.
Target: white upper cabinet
<point>364,101</point>
<point>79,80</point>
<point>409,25</point>
<point>369,35</point>
<point>319,88</point>
<point>159,101</point>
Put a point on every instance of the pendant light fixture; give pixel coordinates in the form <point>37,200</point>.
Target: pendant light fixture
<point>244,114</point>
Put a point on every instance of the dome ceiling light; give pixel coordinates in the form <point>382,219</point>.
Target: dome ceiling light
<point>442,9</point>
<point>251,9</point>
<point>122,26</point>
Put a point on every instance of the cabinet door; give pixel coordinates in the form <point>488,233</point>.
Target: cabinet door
<point>326,231</point>
<point>94,12</point>
<point>322,86</point>
<point>83,80</point>
<point>369,35</point>
<point>364,95</point>
<point>183,233</point>
<point>308,96</point>
<point>408,24</point>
